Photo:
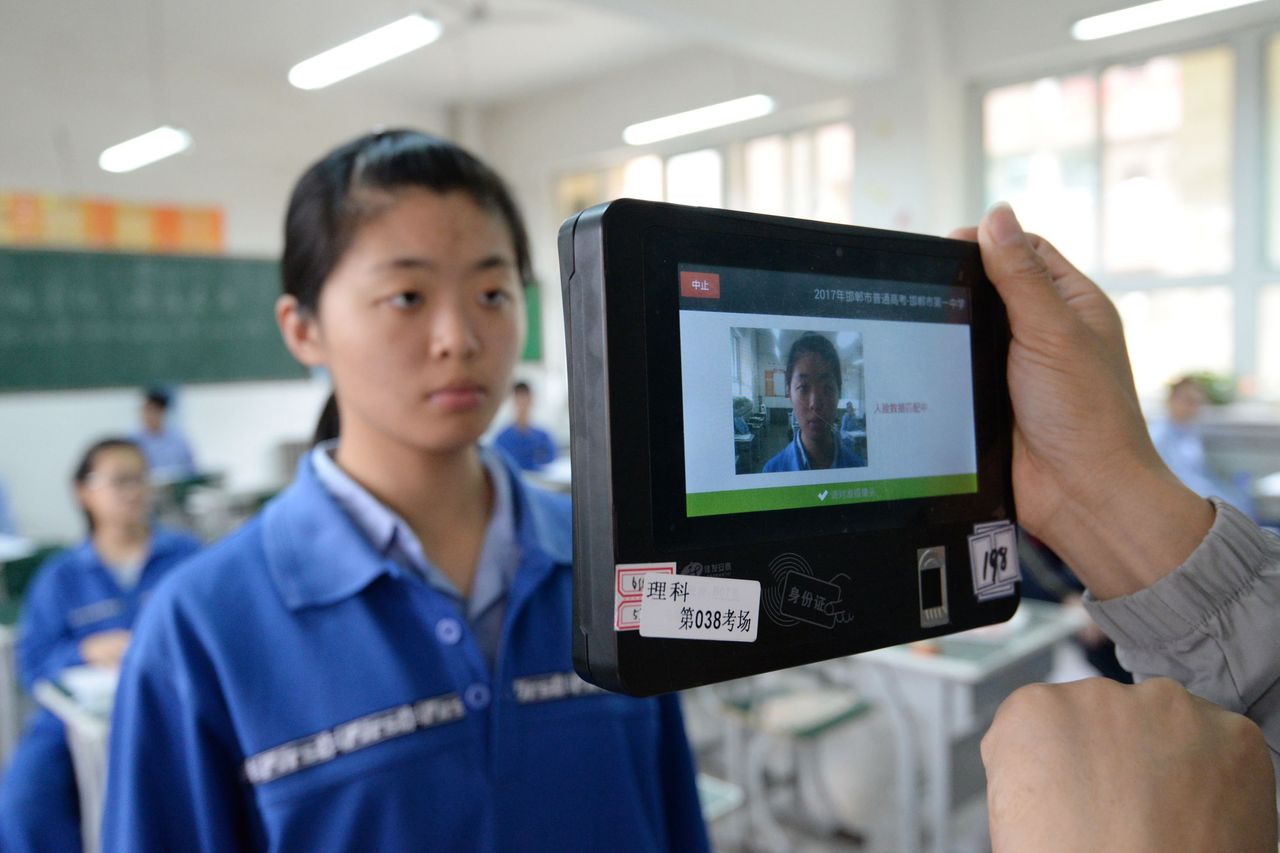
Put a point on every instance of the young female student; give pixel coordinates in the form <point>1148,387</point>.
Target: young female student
<point>79,611</point>
<point>813,383</point>
<point>381,659</point>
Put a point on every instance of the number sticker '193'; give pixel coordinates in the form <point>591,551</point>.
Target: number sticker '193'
<point>993,554</point>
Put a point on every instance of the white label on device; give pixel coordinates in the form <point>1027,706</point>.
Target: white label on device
<point>628,591</point>
<point>993,554</point>
<point>688,607</point>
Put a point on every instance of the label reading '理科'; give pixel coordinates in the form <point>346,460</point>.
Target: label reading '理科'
<point>687,607</point>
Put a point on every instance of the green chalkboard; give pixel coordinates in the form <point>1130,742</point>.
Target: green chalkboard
<point>533,314</point>
<point>86,319</point>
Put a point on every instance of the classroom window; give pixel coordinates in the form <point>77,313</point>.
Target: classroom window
<point>740,378</point>
<point>696,178</point>
<point>642,178</point>
<point>832,174</point>
<point>806,173</point>
<point>1273,152</point>
<point>1040,139</point>
<point>767,171</point>
<point>1166,165</point>
<point>1176,330</point>
<point>1269,343</point>
<point>578,191</point>
<point>639,177</point>
<point>1147,191</point>
<point>1128,170</point>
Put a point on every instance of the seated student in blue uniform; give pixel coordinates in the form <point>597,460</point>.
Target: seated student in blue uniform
<point>814,383</point>
<point>8,526</point>
<point>849,420</point>
<point>168,453</point>
<point>79,610</point>
<point>381,659</point>
<point>1179,441</point>
<point>529,447</point>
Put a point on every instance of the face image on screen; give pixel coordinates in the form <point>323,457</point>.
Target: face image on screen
<point>803,390</point>
<point>799,404</point>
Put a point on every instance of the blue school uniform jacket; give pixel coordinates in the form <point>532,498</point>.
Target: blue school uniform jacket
<point>75,595</point>
<point>530,448</point>
<point>793,458</point>
<point>292,690</point>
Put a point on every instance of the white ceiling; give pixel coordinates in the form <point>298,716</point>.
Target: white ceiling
<point>489,50</point>
<point>79,76</point>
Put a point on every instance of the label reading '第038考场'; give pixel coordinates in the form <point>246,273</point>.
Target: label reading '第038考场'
<point>687,607</point>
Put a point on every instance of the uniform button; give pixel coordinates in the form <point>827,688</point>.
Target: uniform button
<point>477,697</point>
<point>449,631</point>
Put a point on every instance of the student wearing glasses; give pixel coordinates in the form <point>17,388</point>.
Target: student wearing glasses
<point>79,610</point>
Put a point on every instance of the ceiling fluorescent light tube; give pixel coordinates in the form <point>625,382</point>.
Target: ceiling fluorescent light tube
<point>145,149</point>
<point>693,121</point>
<point>1147,15</point>
<point>362,53</point>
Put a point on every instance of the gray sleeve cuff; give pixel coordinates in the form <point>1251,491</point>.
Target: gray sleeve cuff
<point>1213,624</point>
<point>1234,558</point>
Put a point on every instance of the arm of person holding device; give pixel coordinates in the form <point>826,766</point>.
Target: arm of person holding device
<point>1189,589</point>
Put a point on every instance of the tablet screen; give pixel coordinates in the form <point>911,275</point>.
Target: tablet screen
<point>804,390</point>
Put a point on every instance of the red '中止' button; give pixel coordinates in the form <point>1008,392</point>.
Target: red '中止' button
<point>700,285</point>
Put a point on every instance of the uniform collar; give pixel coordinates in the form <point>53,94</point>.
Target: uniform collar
<point>84,553</point>
<point>393,539</point>
<point>378,522</point>
<point>316,555</point>
<point>160,544</point>
<point>802,455</point>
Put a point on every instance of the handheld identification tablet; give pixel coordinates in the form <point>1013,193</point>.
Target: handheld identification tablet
<point>791,441</point>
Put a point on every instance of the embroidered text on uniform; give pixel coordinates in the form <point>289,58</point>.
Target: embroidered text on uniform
<point>98,611</point>
<point>552,686</point>
<point>360,733</point>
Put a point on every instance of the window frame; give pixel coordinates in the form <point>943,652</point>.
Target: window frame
<point>732,150</point>
<point>1251,269</point>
